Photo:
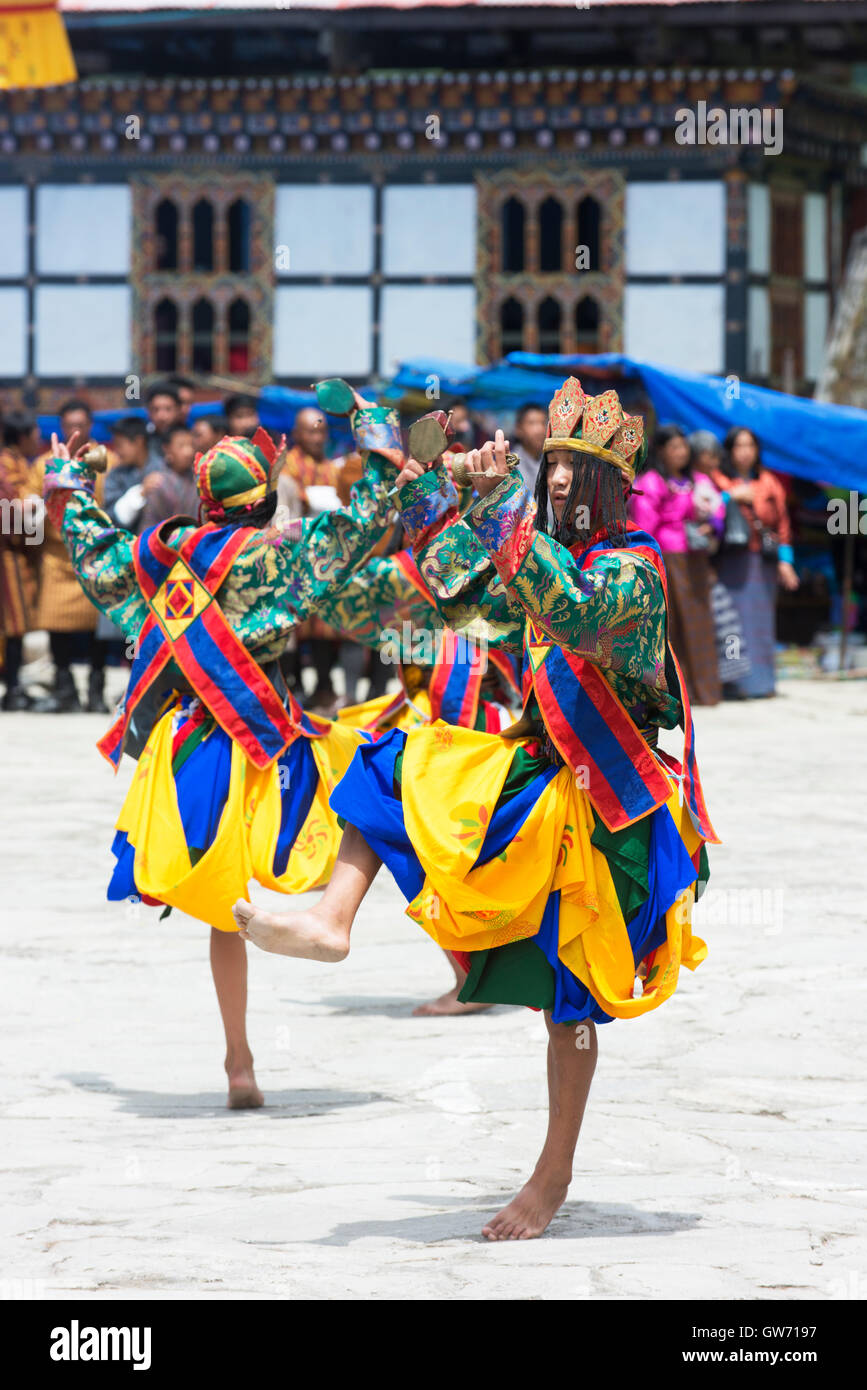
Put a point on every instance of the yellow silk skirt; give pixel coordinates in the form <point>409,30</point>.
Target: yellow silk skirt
<point>450,782</point>
<point>245,842</point>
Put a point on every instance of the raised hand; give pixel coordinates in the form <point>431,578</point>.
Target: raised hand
<point>71,449</point>
<point>411,470</point>
<point>487,467</point>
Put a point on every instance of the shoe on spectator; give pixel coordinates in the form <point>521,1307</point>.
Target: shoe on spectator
<point>96,693</point>
<point>17,699</point>
<point>63,698</point>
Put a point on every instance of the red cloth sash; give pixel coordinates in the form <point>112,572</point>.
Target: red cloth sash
<point>185,624</point>
<point>594,732</point>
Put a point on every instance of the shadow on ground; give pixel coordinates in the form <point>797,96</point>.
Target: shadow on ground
<point>388,1007</point>
<point>280,1105</point>
<point>574,1221</point>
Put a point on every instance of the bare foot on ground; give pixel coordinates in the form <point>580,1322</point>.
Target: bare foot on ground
<point>529,1214</point>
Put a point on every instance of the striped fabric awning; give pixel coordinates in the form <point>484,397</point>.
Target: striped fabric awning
<point>34,49</point>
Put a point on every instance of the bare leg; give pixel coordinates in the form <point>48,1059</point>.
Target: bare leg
<point>229,969</point>
<point>449,1003</point>
<point>572,1052</point>
<point>321,933</point>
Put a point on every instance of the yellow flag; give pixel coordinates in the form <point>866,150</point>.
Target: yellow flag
<point>34,49</point>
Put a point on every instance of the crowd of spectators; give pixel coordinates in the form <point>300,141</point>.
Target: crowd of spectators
<point>150,477</point>
<point>719,517</point>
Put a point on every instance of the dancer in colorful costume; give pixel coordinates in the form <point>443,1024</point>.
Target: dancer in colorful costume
<point>443,676</point>
<point>233,777</point>
<point>561,858</point>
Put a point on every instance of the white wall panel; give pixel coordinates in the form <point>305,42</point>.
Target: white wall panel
<point>758,331</point>
<point>429,229</point>
<point>676,325</point>
<point>815,237</point>
<point>675,228</point>
<point>815,332</point>
<point>759,228</point>
<point>322,330</point>
<point>428,321</point>
<point>327,229</point>
<point>13,231</point>
<point>83,330</point>
<point>83,229</point>
<point>13,338</point>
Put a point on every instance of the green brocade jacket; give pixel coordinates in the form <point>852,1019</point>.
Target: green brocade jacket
<point>490,570</point>
<point>287,571</point>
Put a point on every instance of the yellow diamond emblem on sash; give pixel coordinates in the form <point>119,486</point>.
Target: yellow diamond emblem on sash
<point>538,645</point>
<point>179,600</point>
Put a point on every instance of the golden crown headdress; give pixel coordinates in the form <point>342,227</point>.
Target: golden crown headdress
<point>595,425</point>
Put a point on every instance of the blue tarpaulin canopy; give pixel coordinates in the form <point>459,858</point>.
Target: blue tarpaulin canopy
<point>824,443</point>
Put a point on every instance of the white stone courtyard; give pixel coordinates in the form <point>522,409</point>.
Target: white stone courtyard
<point>722,1154</point>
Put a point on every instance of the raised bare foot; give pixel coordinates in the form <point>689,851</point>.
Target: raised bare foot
<point>244,1094</point>
<point>449,1004</point>
<point>309,935</point>
<point>530,1212</point>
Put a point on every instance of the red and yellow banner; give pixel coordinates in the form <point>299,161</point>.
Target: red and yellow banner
<point>34,49</point>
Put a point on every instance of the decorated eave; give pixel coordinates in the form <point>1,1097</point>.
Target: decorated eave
<point>599,113</point>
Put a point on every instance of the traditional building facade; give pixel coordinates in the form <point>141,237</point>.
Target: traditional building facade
<point>279,226</point>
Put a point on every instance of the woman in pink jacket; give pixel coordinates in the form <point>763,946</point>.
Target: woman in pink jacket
<point>685,512</point>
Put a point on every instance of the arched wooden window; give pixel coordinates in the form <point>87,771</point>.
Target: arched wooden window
<point>239,337</point>
<point>203,235</point>
<point>166,336</point>
<point>551,235</point>
<point>511,327</point>
<point>239,236</point>
<point>587,325</point>
<point>512,236</point>
<point>166,235</point>
<point>548,319</point>
<point>203,336</point>
<point>590,231</point>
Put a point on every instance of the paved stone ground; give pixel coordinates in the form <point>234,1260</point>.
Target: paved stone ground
<point>722,1153</point>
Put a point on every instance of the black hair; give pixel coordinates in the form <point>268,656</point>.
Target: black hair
<point>527,407</point>
<point>259,515</point>
<point>217,423</point>
<point>181,383</point>
<point>75,403</point>
<point>727,464</point>
<point>162,388</point>
<point>662,436</point>
<point>130,427</point>
<point>176,429</point>
<point>598,486</point>
<point>239,401</point>
<point>16,424</point>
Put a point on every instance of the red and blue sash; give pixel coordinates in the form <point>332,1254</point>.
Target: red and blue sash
<point>185,624</point>
<point>405,562</point>
<point>593,730</point>
<point>642,543</point>
<point>460,668</point>
<point>509,668</point>
<point>456,683</point>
